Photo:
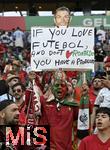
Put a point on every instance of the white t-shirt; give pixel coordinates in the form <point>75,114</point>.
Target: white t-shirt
<point>18,38</point>
<point>103,98</point>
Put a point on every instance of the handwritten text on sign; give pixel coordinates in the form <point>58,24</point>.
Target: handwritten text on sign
<point>53,48</point>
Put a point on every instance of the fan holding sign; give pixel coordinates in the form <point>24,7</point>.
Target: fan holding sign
<point>56,48</point>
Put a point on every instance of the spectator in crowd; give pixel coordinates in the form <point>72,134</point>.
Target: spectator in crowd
<point>5,38</point>
<point>11,41</point>
<point>9,117</point>
<point>99,57</point>
<point>101,140</point>
<point>9,58</point>
<point>18,36</point>
<point>102,99</point>
<point>101,33</point>
<point>17,70</point>
<point>11,80</point>
<point>96,86</point>
<point>4,90</point>
<point>18,92</point>
<point>8,67</point>
<point>56,97</point>
<point>59,114</point>
<point>9,113</point>
<point>19,95</point>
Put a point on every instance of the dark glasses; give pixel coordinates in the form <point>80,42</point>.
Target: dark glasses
<point>17,90</point>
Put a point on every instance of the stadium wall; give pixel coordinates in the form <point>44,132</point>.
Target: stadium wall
<point>25,23</point>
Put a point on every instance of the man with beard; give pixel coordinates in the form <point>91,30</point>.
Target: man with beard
<point>9,115</point>
<point>19,95</point>
<point>59,113</point>
<point>101,140</point>
<point>9,127</point>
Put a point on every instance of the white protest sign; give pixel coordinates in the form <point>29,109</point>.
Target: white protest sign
<point>67,48</point>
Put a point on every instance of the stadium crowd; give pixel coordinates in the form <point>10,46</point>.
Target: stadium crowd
<point>56,98</point>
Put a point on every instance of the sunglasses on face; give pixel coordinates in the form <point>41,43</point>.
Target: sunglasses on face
<point>17,90</point>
